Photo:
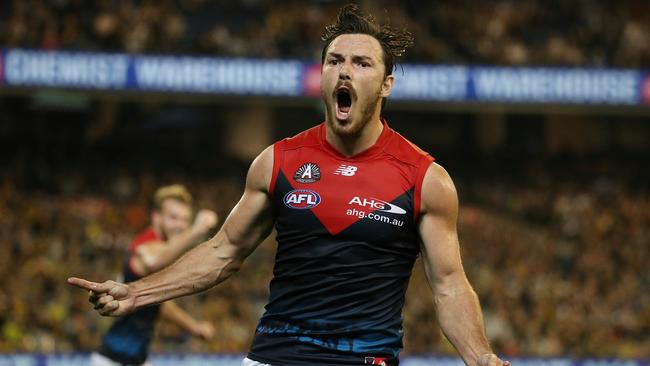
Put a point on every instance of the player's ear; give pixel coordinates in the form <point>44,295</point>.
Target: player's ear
<point>387,85</point>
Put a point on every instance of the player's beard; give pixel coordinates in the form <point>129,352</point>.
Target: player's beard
<point>361,113</point>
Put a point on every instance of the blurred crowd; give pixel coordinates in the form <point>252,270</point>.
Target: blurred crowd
<point>559,265</point>
<point>506,32</point>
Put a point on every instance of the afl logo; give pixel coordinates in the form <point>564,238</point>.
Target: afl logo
<point>307,173</point>
<point>301,199</point>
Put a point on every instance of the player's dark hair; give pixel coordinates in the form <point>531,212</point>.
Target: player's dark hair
<point>351,20</point>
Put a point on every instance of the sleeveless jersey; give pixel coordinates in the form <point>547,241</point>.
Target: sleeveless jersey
<point>347,241</point>
<point>127,341</point>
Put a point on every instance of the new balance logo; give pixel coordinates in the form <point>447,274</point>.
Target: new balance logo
<point>346,170</point>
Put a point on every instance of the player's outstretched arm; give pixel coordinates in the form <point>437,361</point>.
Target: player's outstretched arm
<point>211,262</point>
<point>458,308</point>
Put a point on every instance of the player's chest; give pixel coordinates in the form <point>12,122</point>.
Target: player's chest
<point>373,194</point>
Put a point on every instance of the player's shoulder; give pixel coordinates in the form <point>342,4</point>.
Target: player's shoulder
<point>438,190</point>
<point>309,137</point>
<point>437,173</point>
<point>406,151</point>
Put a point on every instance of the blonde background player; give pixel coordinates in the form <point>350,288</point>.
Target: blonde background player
<point>171,234</point>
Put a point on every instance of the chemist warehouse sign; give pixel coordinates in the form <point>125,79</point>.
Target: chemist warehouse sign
<point>294,78</point>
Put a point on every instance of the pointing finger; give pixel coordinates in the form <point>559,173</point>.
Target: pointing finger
<point>89,285</point>
<point>79,282</point>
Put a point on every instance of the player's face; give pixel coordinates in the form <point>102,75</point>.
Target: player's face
<point>173,218</point>
<point>353,82</point>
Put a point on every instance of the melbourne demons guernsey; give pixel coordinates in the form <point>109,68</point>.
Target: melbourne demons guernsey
<point>127,341</point>
<point>347,241</point>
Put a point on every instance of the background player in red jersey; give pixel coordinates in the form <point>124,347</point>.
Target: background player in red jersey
<point>170,235</point>
<point>357,68</point>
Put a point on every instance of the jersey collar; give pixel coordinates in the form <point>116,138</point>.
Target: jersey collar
<point>366,154</point>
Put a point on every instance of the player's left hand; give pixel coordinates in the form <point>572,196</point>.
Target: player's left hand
<point>204,330</point>
<point>490,359</point>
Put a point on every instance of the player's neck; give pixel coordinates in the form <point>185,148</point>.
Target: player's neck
<point>350,145</point>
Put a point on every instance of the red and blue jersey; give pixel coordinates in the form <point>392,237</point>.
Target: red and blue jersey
<point>347,240</point>
<point>128,339</point>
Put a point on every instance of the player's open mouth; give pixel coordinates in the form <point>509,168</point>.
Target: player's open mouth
<point>343,103</point>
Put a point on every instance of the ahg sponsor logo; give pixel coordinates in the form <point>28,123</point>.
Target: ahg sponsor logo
<point>374,216</point>
<point>301,199</point>
<point>377,204</point>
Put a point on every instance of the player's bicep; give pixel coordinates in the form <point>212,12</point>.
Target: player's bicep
<point>251,220</point>
<point>437,228</point>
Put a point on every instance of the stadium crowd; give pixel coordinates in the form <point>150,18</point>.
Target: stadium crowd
<point>560,266</point>
<point>530,32</point>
